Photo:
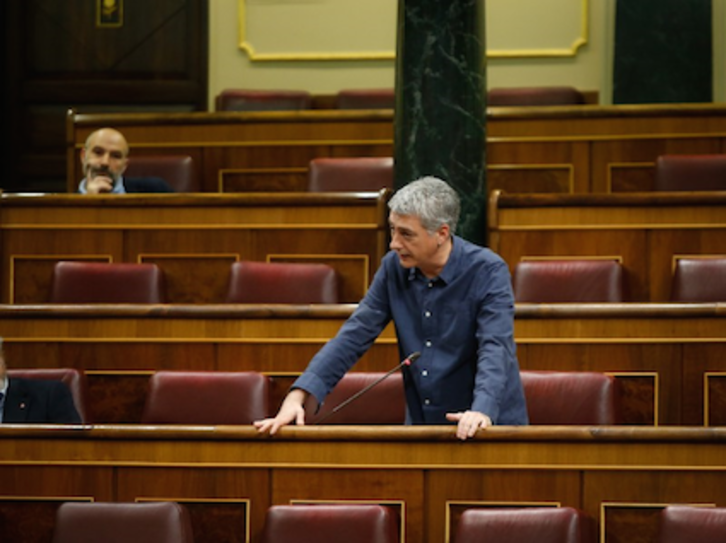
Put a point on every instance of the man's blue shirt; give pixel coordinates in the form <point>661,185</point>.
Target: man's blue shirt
<point>462,323</point>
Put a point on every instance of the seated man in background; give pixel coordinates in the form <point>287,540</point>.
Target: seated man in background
<point>34,400</point>
<point>104,158</point>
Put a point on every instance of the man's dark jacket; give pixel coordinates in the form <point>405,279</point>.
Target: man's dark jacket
<point>39,401</point>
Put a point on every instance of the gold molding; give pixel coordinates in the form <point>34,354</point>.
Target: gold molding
<point>570,168</point>
<point>610,166</point>
<point>254,56</point>
<point>656,387</point>
<point>707,395</point>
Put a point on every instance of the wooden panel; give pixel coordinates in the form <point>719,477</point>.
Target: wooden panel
<point>646,231</point>
<point>229,476</point>
<point>529,149</point>
<point>660,354</point>
<point>194,239</point>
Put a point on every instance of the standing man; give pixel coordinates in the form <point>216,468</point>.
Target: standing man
<point>104,158</point>
<point>451,301</point>
<point>34,400</point>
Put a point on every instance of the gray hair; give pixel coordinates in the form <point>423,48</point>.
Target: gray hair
<point>432,200</point>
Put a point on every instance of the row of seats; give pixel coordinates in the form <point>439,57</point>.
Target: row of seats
<point>291,100</point>
<point>214,397</point>
<point>695,280</point>
<point>359,174</point>
<point>249,283</point>
<point>170,522</point>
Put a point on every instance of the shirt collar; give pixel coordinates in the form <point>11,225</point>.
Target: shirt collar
<point>450,268</point>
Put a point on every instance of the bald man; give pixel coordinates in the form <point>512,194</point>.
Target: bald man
<point>104,158</point>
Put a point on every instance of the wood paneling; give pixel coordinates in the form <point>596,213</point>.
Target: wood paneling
<point>194,239</point>
<point>557,149</point>
<point>230,475</point>
<point>647,231</point>
<point>661,354</point>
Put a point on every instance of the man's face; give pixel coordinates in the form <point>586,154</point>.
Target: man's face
<point>414,245</point>
<point>104,160</point>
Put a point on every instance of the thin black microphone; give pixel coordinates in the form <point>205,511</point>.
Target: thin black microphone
<point>410,359</point>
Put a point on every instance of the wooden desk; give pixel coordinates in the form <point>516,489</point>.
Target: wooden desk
<point>556,149</point>
<point>669,359</point>
<point>193,238</point>
<point>229,476</point>
<point>646,232</point>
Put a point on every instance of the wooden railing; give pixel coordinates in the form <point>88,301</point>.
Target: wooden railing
<point>229,476</point>
<point>554,149</point>
<point>669,358</point>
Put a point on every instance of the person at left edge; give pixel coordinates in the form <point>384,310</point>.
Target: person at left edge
<point>104,157</point>
<point>24,401</point>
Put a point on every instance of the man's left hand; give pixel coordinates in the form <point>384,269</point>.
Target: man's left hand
<point>468,423</point>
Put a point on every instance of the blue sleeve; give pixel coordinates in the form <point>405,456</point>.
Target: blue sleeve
<point>351,342</point>
<point>496,351</point>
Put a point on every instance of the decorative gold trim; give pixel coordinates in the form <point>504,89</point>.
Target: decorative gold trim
<point>537,258</point>
<point>269,171</point>
<point>510,167</point>
<point>485,504</point>
<point>7,498</point>
<point>49,257</point>
<point>249,49</point>
<point>113,21</point>
<point>656,387</point>
<point>636,505</point>
<point>628,226</point>
<point>245,502</point>
<point>401,504</point>
<point>613,165</point>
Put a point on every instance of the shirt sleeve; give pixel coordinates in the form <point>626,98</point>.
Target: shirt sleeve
<point>351,342</point>
<point>495,338</point>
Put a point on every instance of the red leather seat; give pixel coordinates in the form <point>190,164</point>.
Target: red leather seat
<point>94,282</point>
<point>282,283</point>
<point>74,379</point>
<point>206,397</point>
<point>262,100</point>
<point>526,525</point>
<point>356,174</point>
<point>699,280</point>
<point>177,170</point>
<point>385,403</point>
<point>534,96</point>
<point>349,523</point>
<point>690,172</point>
<point>571,397</point>
<point>576,281</point>
<point>689,524</point>
<point>91,522</point>
<point>366,99</point>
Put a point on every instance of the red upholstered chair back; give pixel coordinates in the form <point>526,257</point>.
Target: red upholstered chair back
<point>74,379</point>
<point>526,525</point>
<point>385,403</point>
<point>366,99</point>
<point>690,524</point>
<point>690,172</point>
<point>100,283</point>
<point>576,281</point>
<point>206,397</point>
<point>349,523</point>
<point>356,174</point>
<point>534,96</point>
<point>119,522</point>
<point>282,283</point>
<point>571,397</point>
<point>262,100</point>
<point>177,170</point>
<point>699,280</point>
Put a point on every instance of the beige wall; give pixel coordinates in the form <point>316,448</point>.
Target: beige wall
<point>587,68</point>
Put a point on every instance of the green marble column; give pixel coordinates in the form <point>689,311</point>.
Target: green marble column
<point>440,120</point>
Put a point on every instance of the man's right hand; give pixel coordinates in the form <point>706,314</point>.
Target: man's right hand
<point>99,184</point>
<point>291,410</point>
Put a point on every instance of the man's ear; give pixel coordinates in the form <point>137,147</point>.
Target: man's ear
<point>443,233</point>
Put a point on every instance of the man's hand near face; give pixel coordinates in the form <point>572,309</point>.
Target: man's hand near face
<point>99,184</point>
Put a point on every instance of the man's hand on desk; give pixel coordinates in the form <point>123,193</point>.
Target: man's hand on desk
<point>468,423</point>
<point>291,410</point>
